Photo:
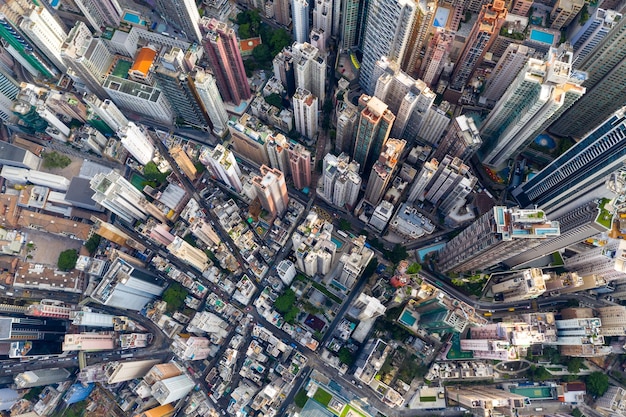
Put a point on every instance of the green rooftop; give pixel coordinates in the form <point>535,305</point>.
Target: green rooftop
<point>121,68</point>
<point>605,218</point>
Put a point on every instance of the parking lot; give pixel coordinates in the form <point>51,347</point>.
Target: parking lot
<point>47,247</point>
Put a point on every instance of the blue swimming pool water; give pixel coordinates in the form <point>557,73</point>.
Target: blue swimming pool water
<point>545,141</point>
<point>423,252</point>
<point>54,3</point>
<point>131,18</point>
<point>337,242</point>
<point>408,319</point>
<point>543,37</point>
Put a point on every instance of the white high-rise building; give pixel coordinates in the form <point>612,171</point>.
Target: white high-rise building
<point>323,15</point>
<point>541,92</point>
<point>590,35</point>
<point>184,15</point>
<point>9,90</point>
<point>87,58</point>
<point>300,20</point>
<point>271,190</point>
<point>387,30</point>
<point>310,69</point>
<point>41,377</point>
<point>115,193</point>
<point>210,98</point>
<point>139,98</point>
<point>107,111</point>
<point>222,163</point>
<point>172,389</point>
<point>46,33</point>
<point>101,13</point>
<point>305,112</point>
<point>509,65</point>
<point>422,180</point>
<point>137,143</point>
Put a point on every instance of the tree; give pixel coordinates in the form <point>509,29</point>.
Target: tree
<point>275,100</point>
<point>279,39</point>
<point>284,302</point>
<point>597,383</point>
<point>574,365</point>
<point>414,268</point>
<point>398,253</point>
<point>250,66</point>
<point>92,244</point>
<point>345,356</point>
<point>55,160</point>
<point>344,225</point>
<point>67,259</point>
<point>244,31</point>
<point>152,173</point>
<point>291,315</point>
<point>174,296</point>
<point>262,54</point>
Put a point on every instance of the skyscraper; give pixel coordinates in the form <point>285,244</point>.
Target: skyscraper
<point>481,37</point>
<point>41,377</point>
<point>106,111</point>
<point>407,98</point>
<point>579,174</point>
<point>349,23</point>
<point>606,66</point>
<point>310,70</point>
<point>422,23</point>
<point>305,113</point>
<point>281,12</point>
<point>22,49</point>
<point>373,128</point>
<point>323,15</point>
<point>461,141</point>
<point>347,116</point>
<point>222,48</point>
<point>127,286</point>
<point>46,32</point>
<point>183,14</point>
<point>223,165</point>
<point>564,11</point>
<point>101,13</point>
<point>271,190</point>
<point>87,58</point>
<point>300,18</point>
<point>576,225</point>
<point>507,68</point>
<point>540,93</point>
<point>444,184</point>
<point>115,193</point>
<point>9,89</point>
<point>300,166</point>
<point>210,97</point>
<point>494,237</point>
<point>592,33</point>
<point>387,30</point>
<point>179,89</point>
<point>383,170</point>
<point>436,56</point>
<point>137,142</point>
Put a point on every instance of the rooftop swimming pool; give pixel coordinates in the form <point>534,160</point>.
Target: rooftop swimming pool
<point>408,319</point>
<point>133,18</point>
<point>543,37</point>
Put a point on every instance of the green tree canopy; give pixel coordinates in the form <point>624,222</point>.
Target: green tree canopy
<point>92,243</point>
<point>574,365</point>
<point>345,356</point>
<point>67,259</point>
<point>174,296</point>
<point>262,54</point>
<point>152,173</point>
<point>244,31</point>
<point>414,268</point>
<point>597,383</point>
<point>275,100</point>
<point>397,254</point>
<point>279,39</point>
<point>55,160</point>
<point>284,302</point>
